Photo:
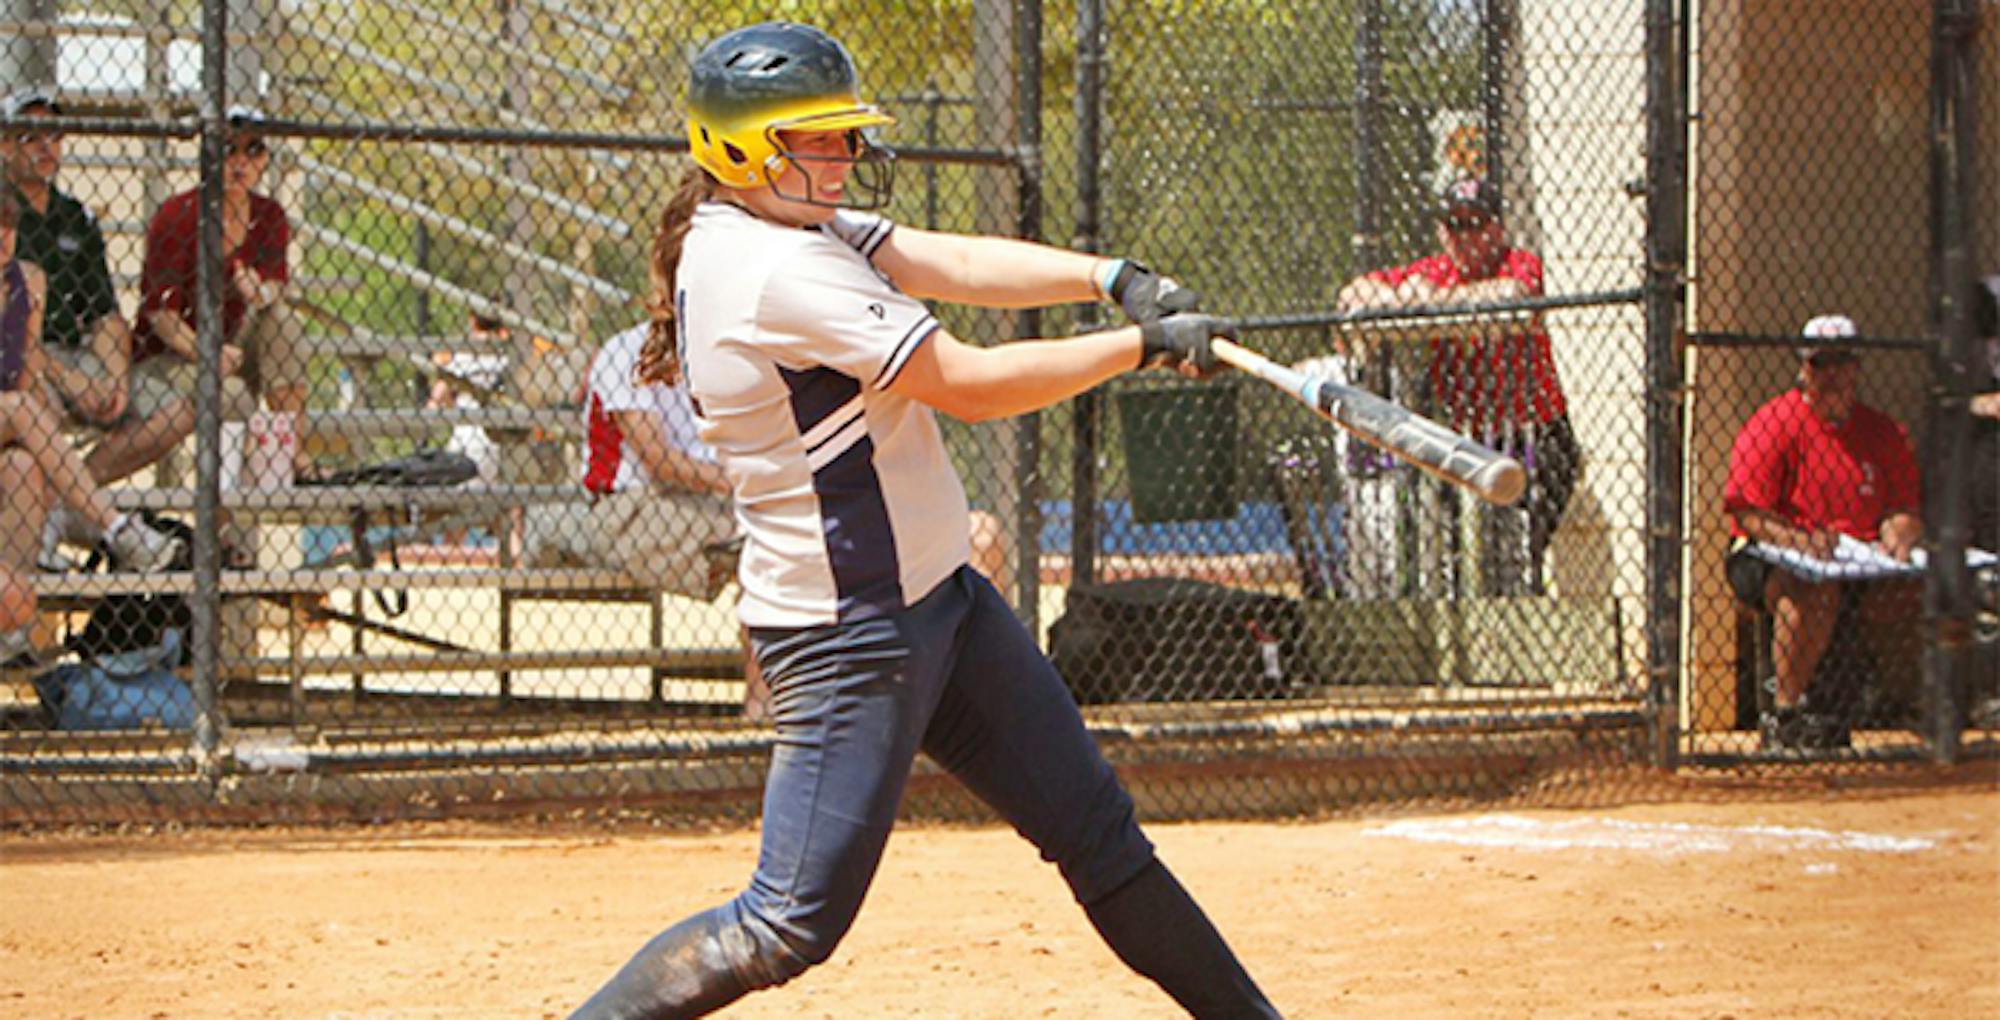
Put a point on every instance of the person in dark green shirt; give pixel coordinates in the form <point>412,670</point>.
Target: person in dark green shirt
<point>88,341</point>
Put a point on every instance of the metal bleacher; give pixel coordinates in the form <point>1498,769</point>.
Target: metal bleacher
<point>537,245</point>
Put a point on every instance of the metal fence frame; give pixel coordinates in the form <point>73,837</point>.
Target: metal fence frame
<point>1948,595</point>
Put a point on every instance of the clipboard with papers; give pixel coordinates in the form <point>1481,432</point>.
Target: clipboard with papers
<point>1856,560</point>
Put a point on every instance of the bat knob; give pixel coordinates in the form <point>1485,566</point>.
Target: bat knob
<point>1502,482</point>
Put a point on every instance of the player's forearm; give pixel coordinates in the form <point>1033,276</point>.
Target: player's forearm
<point>1367,292</point>
<point>982,384</point>
<point>111,341</point>
<point>666,464</point>
<point>174,332</point>
<point>1772,529</point>
<point>674,469</point>
<point>1501,288</point>
<point>992,272</point>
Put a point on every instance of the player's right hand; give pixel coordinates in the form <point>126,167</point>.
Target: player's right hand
<point>1146,295</point>
<point>1182,341</point>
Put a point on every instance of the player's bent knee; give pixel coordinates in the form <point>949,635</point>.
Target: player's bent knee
<point>787,944</point>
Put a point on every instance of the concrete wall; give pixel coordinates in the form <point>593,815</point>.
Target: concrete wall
<point>1580,90</point>
<point>1811,194</point>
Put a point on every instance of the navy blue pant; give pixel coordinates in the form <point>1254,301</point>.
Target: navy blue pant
<point>956,676</point>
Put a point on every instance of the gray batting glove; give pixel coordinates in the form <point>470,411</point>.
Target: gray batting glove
<point>1146,295</point>
<point>1182,341</point>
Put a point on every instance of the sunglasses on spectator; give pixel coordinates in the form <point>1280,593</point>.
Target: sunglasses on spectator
<point>1833,359</point>
<point>27,135</point>
<point>255,147</point>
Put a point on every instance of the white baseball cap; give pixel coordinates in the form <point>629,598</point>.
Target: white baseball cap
<point>1825,327</point>
<point>21,102</point>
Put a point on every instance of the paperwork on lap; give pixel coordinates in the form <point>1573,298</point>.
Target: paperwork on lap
<point>1856,560</point>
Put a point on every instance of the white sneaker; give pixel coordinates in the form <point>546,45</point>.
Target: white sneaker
<point>17,646</point>
<point>49,559</point>
<point>136,545</point>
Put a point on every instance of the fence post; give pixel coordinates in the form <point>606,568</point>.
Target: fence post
<point>206,599</point>
<point>1666,188</point>
<point>1367,112</point>
<point>1090,75</point>
<point>1028,323</point>
<point>1947,584</point>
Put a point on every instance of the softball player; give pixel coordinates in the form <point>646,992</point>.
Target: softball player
<point>816,371</point>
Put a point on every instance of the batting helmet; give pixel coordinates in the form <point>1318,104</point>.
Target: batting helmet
<point>750,84</point>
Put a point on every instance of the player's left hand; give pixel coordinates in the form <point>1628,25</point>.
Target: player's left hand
<point>1182,342</point>
<point>1146,295</point>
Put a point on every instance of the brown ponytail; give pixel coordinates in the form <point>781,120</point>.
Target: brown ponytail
<point>659,361</point>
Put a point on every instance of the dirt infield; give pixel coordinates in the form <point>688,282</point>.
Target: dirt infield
<point>1856,904</point>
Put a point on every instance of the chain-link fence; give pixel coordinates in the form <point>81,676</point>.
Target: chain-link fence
<point>331,491</point>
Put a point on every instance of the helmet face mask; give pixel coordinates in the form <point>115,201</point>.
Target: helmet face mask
<point>871,174</point>
<point>750,85</point>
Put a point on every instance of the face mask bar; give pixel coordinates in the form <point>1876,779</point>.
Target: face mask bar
<point>871,181</point>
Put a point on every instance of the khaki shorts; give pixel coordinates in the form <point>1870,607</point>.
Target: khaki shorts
<point>269,338</point>
<point>149,390</point>
<point>670,541</point>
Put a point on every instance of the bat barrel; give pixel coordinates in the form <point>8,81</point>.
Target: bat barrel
<point>1497,479</point>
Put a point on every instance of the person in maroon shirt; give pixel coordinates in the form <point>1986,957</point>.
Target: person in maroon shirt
<point>260,353</point>
<point>1811,465</point>
<point>1501,390</point>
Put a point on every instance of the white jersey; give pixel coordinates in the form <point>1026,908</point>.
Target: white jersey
<point>789,339</point>
<point>611,465</point>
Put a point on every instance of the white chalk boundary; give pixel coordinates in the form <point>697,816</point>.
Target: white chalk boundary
<point>1516,832</point>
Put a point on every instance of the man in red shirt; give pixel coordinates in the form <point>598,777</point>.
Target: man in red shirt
<point>1501,390</point>
<point>1812,465</point>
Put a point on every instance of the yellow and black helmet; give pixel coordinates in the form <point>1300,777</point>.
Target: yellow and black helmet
<point>751,83</point>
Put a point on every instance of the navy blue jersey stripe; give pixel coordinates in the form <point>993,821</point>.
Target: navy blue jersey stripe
<point>816,393</point>
<point>875,236</point>
<point>854,516</point>
<point>860,545</point>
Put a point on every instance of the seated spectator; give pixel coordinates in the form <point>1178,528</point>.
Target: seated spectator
<point>261,356</point>
<point>1809,466</point>
<point>485,371</point>
<point>1986,421</point>
<point>88,343</point>
<point>36,462</point>
<point>1984,689</point>
<point>659,502</point>
<point>1501,390</point>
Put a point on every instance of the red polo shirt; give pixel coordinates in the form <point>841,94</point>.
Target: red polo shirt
<point>1476,377</point>
<point>1846,477</point>
<point>168,279</point>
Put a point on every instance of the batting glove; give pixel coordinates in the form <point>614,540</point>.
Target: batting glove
<point>1182,341</point>
<point>1143,294</point>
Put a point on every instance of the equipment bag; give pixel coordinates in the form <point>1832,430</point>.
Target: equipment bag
<point>123,691</point>
<point>1176,639</point>
<point>122,624</point>
<point>424,468</point>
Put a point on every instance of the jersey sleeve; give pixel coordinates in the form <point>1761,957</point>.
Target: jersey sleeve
<point>611,377</point>
<point>862,231</point>
<point>829,307</point>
